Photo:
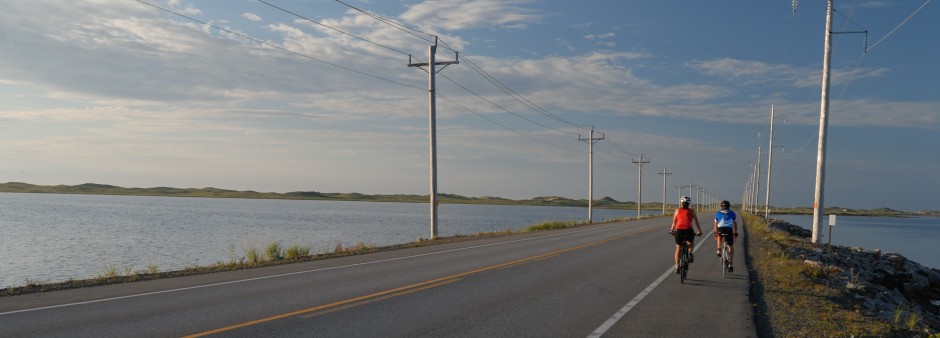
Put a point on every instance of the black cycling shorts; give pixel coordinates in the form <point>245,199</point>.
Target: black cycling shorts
<point>728,232</point>
<point>684,235</point>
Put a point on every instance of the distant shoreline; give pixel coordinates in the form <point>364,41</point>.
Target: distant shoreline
<point>605,202</point>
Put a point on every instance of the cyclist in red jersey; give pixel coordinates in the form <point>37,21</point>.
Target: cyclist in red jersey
<point>682,222</point>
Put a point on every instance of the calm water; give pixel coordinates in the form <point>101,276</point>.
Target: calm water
<point>915,238</point>
<point>49,237</point>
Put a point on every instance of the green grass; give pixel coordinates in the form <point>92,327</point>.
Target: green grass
<point>295,252</point>
<point>152,269</point>
<point>252,254</point>
<point>553,225</point>
<point>273,251</point>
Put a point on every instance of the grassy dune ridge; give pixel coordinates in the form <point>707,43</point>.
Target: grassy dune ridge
<point>104,189</point>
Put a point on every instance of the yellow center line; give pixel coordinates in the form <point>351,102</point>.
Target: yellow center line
<point>373,300</point>
<point>546,257</point>
<point>415,287</point>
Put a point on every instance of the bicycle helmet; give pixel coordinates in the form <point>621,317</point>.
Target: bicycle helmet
<point>685,199</point>
<point>725,204</point>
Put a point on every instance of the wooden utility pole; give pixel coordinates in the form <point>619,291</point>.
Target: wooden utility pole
<point>770,161</point>
<point>591,140</point>
<point>664,173</point>
<point>818,206</point>
<point>639,184</point>
<point>432,111</point>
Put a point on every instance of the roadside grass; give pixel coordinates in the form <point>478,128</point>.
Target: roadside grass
<point>553,225</point>
<point>272,254</point>
<point>273,251</point>
<point>792,302</point>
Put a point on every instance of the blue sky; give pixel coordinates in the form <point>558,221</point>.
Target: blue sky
<point>122,93</point>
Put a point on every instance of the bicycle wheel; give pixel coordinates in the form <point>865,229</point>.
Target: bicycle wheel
<point>724,258</point>
<point>683,264</point>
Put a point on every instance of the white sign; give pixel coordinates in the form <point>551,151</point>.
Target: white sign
<point>832,220</point>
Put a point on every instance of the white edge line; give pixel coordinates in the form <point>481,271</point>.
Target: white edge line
<point>601,330</point>
<point>293,273</point>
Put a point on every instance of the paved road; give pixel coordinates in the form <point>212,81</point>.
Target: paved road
<point>611,280</point>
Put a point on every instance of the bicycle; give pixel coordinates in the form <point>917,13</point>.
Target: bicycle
<point>725,251</point>
<point>683,259</point>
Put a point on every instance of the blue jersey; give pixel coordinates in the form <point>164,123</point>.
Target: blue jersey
<point>725,218</point>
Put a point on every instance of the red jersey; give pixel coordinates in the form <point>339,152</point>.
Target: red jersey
<point>684,219</point>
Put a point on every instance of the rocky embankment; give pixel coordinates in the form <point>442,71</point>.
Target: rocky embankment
<point>886,286</point>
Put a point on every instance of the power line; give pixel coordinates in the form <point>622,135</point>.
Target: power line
<point>333,28</point>
<point>502,108</point>
<point>516,95</point>
<point>395,25</point>
<point>613,155</point>
<point>474,66</point>
<point>244,36</point>
<point>490,78</point>
<point>620,148</point>
<point>504,126</point>
<point>409,30</point>
<point>899,25</point>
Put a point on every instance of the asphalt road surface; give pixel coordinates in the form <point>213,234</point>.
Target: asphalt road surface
<point>609,280</point>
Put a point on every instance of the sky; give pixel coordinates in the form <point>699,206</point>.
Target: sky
<point>317,95</point>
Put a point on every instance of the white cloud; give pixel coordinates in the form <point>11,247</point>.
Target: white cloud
<point>599,36</point>
<point>466,14</point>
<point>754,72</point>
<point>251,16</point>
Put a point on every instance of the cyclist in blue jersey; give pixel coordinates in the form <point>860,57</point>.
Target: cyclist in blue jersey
<point>726,223</point>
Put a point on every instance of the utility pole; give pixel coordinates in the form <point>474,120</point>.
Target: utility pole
<point>756,186</point>
<point>818,206</point>
<point>679,190</point>
<point>432,109</point>
<point>665,174</point>
<point>770,161</point>
<point>757,181</point>
<point>698,198</point>
<point>639,183</point>
<point>591,140</point>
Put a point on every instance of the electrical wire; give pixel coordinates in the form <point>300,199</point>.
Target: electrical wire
<point>501,107</point>
<point>504,126</point>
<point>516,95</point>
<point>486,76</point>
<point>619,147</point>
<point>810,139</point>
<point>333,28</point>
<point>244,36</point>
<point>396,25</point>
<point>506,89</point>
<point>899,25</point>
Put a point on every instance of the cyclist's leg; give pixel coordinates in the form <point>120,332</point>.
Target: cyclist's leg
<point>678,238</point>
<point>676,255</point>
<point>730,239</point>
<point>717,242</point>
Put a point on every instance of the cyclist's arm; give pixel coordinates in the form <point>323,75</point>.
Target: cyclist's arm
<point>675,218</point>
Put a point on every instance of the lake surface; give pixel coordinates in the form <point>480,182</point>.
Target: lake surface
<point>49,237</point>
<point>916,238</point>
